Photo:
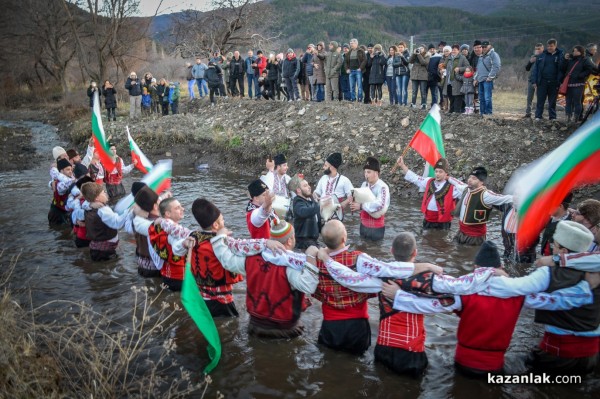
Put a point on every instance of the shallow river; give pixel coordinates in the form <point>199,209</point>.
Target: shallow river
<point>250,367</point>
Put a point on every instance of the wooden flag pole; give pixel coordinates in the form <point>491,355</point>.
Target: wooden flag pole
<point>403,154</point>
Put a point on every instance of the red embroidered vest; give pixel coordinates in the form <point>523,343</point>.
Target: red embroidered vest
<point>80,231</point>
<point>400,329</point>
<point>263,231</point>
<point>444,213</point>
<point>59,201</point>
<point>174,266</point>
<point>214,282</point>
<point>485,329</point>
<point>114,178</point>
<point>340,303</point>
<point>269,296</point>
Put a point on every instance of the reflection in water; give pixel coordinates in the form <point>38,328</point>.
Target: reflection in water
<point>252,367</point>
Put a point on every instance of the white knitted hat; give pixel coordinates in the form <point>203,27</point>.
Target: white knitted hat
<point>573,236</point>
<point>57,152</point>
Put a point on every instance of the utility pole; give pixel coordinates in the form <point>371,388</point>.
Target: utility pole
<point>412,44</point>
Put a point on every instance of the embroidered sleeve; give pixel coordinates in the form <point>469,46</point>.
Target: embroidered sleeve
<point>231,261</point>
<point>459,186</point>
<point>259,217</point>
<point>306,280</point>
<point>246,247</point>
<point>376,268</point>
<point>464,285</point>
<point>564,299</point>
<point>173,229</point>
<point>506,287</point>
<point>381,202</point>
<point>584,261</point>
<point>350,279</point>
<point>289,259</point>
<point>127,169</point>
<point>491,198</point>
<point>410,303</point>
<point>419,181</point>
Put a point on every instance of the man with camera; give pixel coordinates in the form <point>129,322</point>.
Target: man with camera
<point>419,75</point>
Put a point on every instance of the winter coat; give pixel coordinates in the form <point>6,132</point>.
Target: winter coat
<point>224,65</point>
<point>583,68</point>
<point>134,87</point>
<point>188,73</point>
<point>261,64</point>
<point>377,65</point>
<point>236,67</point>
<point>488,66</point>
<point>110,97</point>
<point>174,92</point>
<point>90,93</point>
<point>248,68</point>
<point>153,93</point>
<point>198,70</point>
<point>213,76</point>
<point>432,69</point>
<point>307,59</point>
<point>467,84</point>
<point>333,62</point>
<point>272,71</point>
<point>419,69</point>
<point>362,59</point>
<point>302,78</point>
<point>307,217</point>
<point>319,68</point>
<point>403,68</point>
<point>163,93</point>
<point>459,61</point>
<point>290,68</point>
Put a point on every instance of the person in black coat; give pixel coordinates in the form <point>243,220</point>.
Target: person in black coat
<point>236,74</point>
<point>272,76</point>
<point>110,100</point>
<point>162,90</point>
<point>577,67</point>
<point>214,78</point>
<point>365,76</point>
<point>93,89</point>
<point>134,86</point>
<point>376,62</point>
<point>307,213</point>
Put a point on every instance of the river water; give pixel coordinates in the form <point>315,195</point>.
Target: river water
<point>54,268</point>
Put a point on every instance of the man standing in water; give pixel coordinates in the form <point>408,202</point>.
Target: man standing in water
<point>277,178</point>
<point>259,211</point>
<point>372,214</point>
<point>332,183</point>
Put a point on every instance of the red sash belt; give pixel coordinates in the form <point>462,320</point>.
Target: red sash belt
<point>369,221</point>
<point>476,230</point>
<point>570,346</point>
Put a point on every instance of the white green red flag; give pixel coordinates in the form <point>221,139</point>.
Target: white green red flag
<point>158,179</point>
<point>143,163</point>
<point>428,141</point>
<point>100,142</point>
<point>541,187</point>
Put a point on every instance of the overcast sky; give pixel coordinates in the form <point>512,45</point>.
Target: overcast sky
<point>148,7</point>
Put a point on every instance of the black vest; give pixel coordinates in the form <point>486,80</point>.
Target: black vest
<point>96,230</point>
<point>585,318</point>
<point>476,212</point>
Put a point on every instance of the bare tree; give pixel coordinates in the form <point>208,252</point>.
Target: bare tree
<point>230,25</point>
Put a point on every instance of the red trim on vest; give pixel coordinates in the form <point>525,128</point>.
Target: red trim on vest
<point>115,178</point>
<point>570,346</point>
<point>338,302</point>
<point>473,230</point>
<point>485,329</point>
<point>437,216</point>
<point>403,330</point>
<point>173,266</point>
<point>59,201</point>
<point>263,231</point>
<point>269,296</point>
<point>369,221</point>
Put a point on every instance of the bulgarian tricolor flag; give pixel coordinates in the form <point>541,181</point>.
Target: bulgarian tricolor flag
<point>427,141</point>
<point>100,143</point>
<point>158,179</point>
<point>541,187</point>
<point>143,163</point>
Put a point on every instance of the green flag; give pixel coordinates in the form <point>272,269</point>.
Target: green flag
<point>194,304</point>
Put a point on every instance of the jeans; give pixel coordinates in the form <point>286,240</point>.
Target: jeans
<point>402,89</point>
<point>202,87</point>
<point>530,94</point>
<point>485,97</point>
<point>332,85</point>
<point>573,98</point>
<point>175,107</point>
<point>320,92</point>
<point>416,86</point>
<point>292,87</point>
<point>191,84</point>
<point>355,79</point>
<point>345,84</point>
<point>546,89</point>
<point>252,82</point>
<point>391,84</point>
<point>433,87</point>
<point>110,113</point>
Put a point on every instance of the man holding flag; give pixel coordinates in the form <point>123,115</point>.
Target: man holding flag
<point>475,206</point>
<point>440,196</point>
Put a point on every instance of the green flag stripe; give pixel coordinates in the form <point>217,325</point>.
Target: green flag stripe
<point>434,131</point>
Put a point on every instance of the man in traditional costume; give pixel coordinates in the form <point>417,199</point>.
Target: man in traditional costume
<point>259,211</point>
<point>113,178</point>
<point>560,213</point>
<point>276,283</point>
<point>475,206</point>
<point>334,184</point>
<point>439,198</point>
<point>148,261</point>
<point>61,185</point>
<point>372,214</point>
<point>277,178</point>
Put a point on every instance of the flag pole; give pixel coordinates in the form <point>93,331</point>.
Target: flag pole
<point>395,167</point>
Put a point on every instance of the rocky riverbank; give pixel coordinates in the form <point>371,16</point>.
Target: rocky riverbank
<point>238,135</point>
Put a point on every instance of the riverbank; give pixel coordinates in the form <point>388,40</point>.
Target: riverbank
<point>238,135</point>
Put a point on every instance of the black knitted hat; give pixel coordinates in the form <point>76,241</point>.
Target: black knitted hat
<point>488,255</point>
<point>205,212</point>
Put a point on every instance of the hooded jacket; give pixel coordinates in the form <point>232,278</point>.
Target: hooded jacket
<point>333,62</point>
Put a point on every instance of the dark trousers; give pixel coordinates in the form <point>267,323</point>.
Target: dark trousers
<point>175,107</point>
<point>213,90</point>
<point>111,114</point>
<point>174,285</point>
<point>433,87</point>
<point>372,233</point>
<point>573,99</point>
<point>401,361</point>
<point>351,335</point>
<point>345,87</point>
<point>547,89</point>
<point>165,108</point>
<point>422,86</point>
<point>456,101</point>
<point>237,85</point>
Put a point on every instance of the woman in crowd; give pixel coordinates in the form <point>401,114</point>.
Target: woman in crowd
<point>577,68</point>
<point>110,100</point>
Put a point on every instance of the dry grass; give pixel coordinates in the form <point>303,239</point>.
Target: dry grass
<point>82,353</point>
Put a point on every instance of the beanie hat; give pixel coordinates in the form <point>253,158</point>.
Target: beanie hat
<point>464,47</point>
<point>57,152</point>
<point>91,191</point>
<point>590,209</point>
<point>83,180</point>
<point>289,51</point>
<point>345,45</point>
<point>370,45</point>
<point>72,153</point>
<point>256,188</point>
<point>378,47</point>
<point>80,170</point>
<point>63,163</point>
<point>573,236</point>
<point>477,43</point>
<point>479,172</point>
<point>137,186</point>
<point>442,163</point>
<point>485,43</point>
<point>205,212</point>
<point>146,198</point>
<point>447,48</point>
<point>488,255</point>
<point>279,159</point>
<point>335,159</point>
<point>281,231</point>
<point>430,46</point>
<point>372,164</point>
<point>442,43</point>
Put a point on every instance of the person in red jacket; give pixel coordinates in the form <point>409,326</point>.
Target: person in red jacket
<point>259,212</point>
<point>439,199</point>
